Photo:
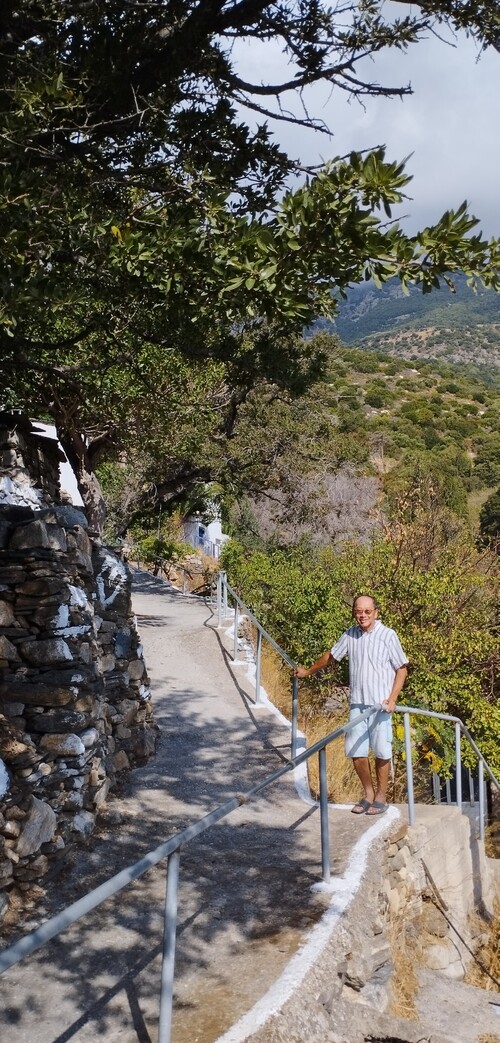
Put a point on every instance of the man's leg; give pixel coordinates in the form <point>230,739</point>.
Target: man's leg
<point>381,745</point>
<point>362,768</point>
<point>382,768</point>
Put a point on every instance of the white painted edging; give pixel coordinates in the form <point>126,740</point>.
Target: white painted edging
<point>342,890</point>
<point>300,773</point>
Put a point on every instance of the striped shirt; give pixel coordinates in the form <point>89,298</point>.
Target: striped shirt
<point>374,656</point>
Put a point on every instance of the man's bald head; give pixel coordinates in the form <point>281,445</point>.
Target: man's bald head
<point>365,611</point>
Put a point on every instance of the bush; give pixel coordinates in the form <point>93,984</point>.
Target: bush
<point>433,586</point>
<point>157,551</point>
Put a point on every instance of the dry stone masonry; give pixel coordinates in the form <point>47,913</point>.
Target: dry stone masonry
<point>399,918</point>
<point>75,705</point>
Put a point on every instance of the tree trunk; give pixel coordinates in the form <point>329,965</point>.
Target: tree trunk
<point>77,452</point>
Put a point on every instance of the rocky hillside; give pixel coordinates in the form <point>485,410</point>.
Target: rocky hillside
<point>455,326</point>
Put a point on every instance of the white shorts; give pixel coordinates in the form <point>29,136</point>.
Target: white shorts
<point>374,733</point>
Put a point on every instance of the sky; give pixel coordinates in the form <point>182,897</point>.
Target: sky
<point>451,124</point>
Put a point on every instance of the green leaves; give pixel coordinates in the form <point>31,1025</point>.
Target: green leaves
<point>141,218</point>
<point>434,588</point>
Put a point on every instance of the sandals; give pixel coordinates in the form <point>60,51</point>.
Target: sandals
<point>376,808</point>
<point>370,808</point>
<point>361,808</point>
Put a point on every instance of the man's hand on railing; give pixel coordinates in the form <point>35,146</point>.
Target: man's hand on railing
<point>389,705</point>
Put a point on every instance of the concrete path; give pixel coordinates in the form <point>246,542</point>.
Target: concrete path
<point>246,897</point>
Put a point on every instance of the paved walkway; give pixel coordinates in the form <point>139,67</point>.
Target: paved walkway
<point>246,897</point>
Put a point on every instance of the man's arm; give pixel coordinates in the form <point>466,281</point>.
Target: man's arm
<point>305,671</point>
<point>399,679</point>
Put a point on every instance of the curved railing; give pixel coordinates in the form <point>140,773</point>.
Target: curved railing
<point>171,848</point>
<point>225,591</point>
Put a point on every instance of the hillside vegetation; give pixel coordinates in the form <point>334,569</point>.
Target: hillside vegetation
<point>426,431</point>
<point>390,413</point>
<point>458,326</point>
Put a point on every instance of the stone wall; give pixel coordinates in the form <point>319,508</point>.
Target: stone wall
<point>75,705</point>
<point>439,878</point>
<point>348,994</point>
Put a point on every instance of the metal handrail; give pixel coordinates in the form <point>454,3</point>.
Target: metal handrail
<point>460,729</point>
<point>161,565</point>
<point>223,589</point>
<point>171,848</point>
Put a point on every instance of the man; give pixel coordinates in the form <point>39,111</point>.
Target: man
<point>377,673</point>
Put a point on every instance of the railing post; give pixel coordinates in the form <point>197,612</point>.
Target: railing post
<point>472,798</point>
<point>258,657</point>
<point>168,963</point>
<point>295,714</point>
<point>481,799</point>
<point>219,599</point>
<point>236,622</point>
<point>409,771</point>
<point>323,806</point>
<point>436,787</point>
<point>458,765</point>
<point>224,595</point>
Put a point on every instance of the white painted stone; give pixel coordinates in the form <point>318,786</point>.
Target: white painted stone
<point>89,737</point>
<point>4,779</point>
<point>61,619</point>
<point>83,823</point>
<point>20,493</point>
<point>65,745</point>
<point>115,573</point>
<point>76,631</point>
<point>79,599</point>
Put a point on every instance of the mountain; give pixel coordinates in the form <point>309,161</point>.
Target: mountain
<point>458,326</point>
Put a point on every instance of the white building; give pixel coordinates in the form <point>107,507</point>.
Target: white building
<point>208,538</point>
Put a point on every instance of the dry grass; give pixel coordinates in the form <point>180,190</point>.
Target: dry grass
<point>487,957</point>
<point>343,785</point>
<point>275,678</point>
<point>492,838</point>
<point>475,501</point>
<point>404,981</point>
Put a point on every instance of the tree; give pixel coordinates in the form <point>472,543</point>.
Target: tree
<point>141,233</point>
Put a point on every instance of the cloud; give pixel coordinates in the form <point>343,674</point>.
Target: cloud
<point>450,124</point>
